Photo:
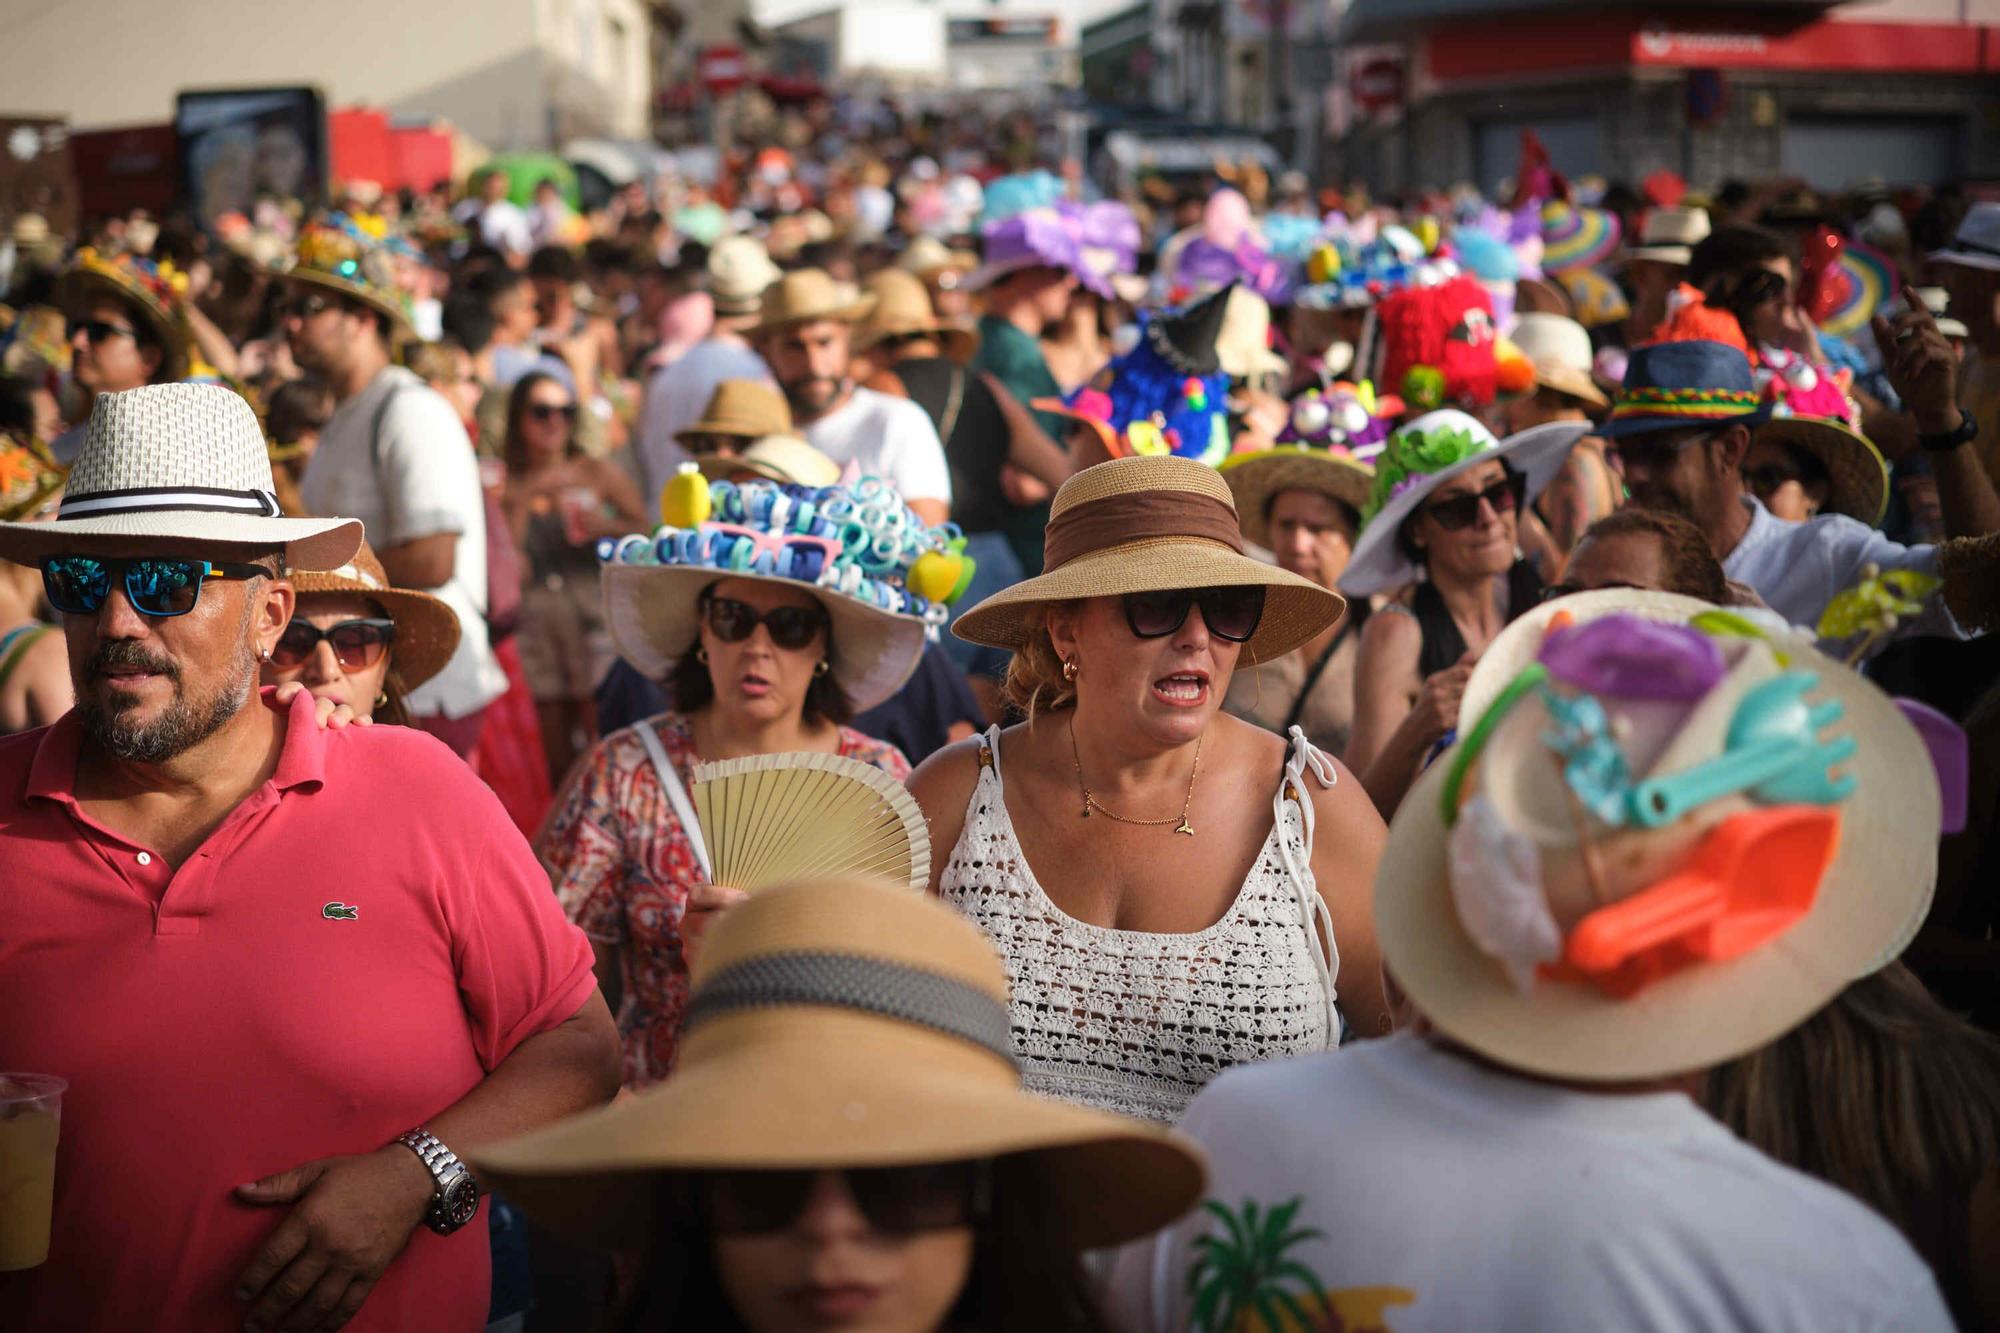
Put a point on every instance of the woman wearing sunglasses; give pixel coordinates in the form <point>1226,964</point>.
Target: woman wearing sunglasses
<point>559,501</point>
<point>355,640</point>
<point>768,640</point>
<point>855,1151</point>
<point>1174,891</point>
<point>1439,537</point>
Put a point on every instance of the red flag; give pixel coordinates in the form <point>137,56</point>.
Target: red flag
<point>1536,180</point>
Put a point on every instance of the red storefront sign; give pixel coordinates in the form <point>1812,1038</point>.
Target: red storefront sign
<point>1703,39</point>
<point>722,69</point>
<point>1377,85</point>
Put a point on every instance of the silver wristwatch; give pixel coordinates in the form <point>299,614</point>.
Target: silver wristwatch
<point>456,1199</point>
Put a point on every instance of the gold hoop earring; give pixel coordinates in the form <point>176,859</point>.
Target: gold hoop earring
<point>701,656</point>
<point>821,667</point>
<point>1069,670</point>
<point>382,699</point>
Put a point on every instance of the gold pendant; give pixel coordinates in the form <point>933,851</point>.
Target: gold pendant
<point>1185,827</point>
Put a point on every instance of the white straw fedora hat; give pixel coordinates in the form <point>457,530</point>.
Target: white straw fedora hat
<point>1423,456</point>
<point>181,461</point>
<point>1669,235</point>
<point>1596,883</point>
<point>835,1024</point>
<point>1150,523</point>
<point>1559,350</point>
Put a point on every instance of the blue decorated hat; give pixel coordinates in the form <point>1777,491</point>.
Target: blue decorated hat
<point>1689,383</point>
<point>884,578</point>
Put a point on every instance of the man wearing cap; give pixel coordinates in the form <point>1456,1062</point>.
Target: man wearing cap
<point>738,272</point>
<point>395,455</point>
<point>286,972</point>
<point>1969,268</point>
<point>1682,427</point>
<point>804,332</point>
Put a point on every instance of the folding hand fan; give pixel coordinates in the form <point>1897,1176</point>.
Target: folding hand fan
<point>777,817</point>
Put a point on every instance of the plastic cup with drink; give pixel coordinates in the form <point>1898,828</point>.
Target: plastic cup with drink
<point>30,1114</point>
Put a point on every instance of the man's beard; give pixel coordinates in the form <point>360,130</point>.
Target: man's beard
<point>182,725</point>
<point>1662,502</point>
<point>805,403</point>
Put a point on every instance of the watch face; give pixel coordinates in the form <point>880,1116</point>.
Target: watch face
<point>461,1202</point>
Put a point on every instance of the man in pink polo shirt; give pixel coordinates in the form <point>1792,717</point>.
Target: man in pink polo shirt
<point>286,972</point>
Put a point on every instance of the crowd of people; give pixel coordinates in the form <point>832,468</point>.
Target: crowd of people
<point>1458,738</point>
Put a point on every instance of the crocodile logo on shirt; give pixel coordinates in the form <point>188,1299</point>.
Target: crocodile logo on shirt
<point>341,912</point>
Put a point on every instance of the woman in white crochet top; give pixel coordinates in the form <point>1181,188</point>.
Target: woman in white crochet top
<point>1173,891</point>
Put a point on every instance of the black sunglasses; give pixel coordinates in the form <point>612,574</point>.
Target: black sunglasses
<point>306,306</point>
<point>77,585</point>
<point>895,1199</point>
<point>791,627</point>
<point>550,411</point>
<point>357,644</point>
<point>1462,511</point>
<point>1230,613</point>
<point>99,330</point>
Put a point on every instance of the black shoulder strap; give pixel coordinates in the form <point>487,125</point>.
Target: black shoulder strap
<point>1313,674</point>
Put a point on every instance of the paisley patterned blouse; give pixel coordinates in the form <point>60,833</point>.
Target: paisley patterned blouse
<point>622,868</point>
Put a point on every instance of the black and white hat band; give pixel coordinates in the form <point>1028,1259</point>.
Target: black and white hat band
<point>170,500</point>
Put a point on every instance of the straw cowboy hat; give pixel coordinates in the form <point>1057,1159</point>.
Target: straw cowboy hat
<point>780,458</point>
<point>1423,456</point>
<point>352,258</point>
<point>746,408</point>
<point>739,269</point>
<point>426,628</point>
<point>153,291</point>
<point>653,584</point>
<point>1669,235</point>
<point>1480,889</point>
<point>805,295</point>
<point>182,462</point>
<point>1256,479</point>
<point>843,1024</point>
<point>934,261</point>
<point>1559,350</point>
<point>902,307</point>
<point>1858,478</point>
<point>1151,523</point>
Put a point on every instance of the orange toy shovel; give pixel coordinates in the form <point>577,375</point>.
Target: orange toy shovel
<point>1754,877</point>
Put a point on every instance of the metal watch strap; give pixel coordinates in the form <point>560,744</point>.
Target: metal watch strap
<point>445,1169</point>
<point>1965,433</point>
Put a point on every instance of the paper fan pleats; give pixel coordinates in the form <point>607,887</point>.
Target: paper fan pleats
<point>772,818</point>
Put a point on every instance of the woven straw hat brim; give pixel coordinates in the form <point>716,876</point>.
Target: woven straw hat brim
<point>309,543</point>
<point>851,313</point>
<point>1255,478</point>
<point>747,428</point>
<point>402,330</point>
<point>827,1089</point>
<point>1295,609</point>
<point>1873,899</point>
<point>1662,254</point>
<point>1568,379</point>
<point>1859,479</point>
<point>653,614</point>
<point>80,284</point>
<point>1379,565</point>
<point>427,630</point>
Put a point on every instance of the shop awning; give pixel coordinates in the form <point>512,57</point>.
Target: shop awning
<point>1386,20</point>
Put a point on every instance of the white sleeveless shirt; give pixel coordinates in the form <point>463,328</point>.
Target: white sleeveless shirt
<point>1139,1021</point>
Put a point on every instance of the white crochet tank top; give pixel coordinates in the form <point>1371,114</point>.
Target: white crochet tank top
<point>1139,1021</point>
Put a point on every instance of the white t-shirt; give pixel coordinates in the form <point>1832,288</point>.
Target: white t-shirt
<point>1440,1195</point>
<point>677,396</point>
<point>875,435</point>
<point>427,483</point>
<point>503,225</point>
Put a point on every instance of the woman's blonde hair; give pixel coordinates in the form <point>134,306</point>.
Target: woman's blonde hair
<point>1035,674</point>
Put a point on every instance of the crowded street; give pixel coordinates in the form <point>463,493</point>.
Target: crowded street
<point>919,667</point>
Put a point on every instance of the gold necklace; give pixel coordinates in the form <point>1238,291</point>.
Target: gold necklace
<point>1090,802</point>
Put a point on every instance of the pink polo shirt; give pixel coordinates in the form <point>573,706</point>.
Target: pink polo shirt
<point>220,1022</point>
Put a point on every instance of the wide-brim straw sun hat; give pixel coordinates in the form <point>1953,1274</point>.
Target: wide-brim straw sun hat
<point>153,290</point>
<point>1858,478</point>
<point>844,1024</point>
<point>183,462</point>
<point>1869,904</point>
<point>806,295</point>
<point>1255,479</point>
<point>352,257</point>
<point>903,307</point>
<point>782,458</point>
<point>748,408</point>
<point>1457,443</point>
<point>768,532</point>
<point>427,629</point>
<point>1152,523</point>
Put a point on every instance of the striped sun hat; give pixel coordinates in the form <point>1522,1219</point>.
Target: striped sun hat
<point>1687,383</point>
<point>1576,237</point>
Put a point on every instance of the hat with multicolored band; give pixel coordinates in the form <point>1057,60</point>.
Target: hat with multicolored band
<point>1690,383</point>
<point>884,578</point>
<point>29,477</point>
<point>1576,237</point>
<point>356,256</point>
<point>154,289</point>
